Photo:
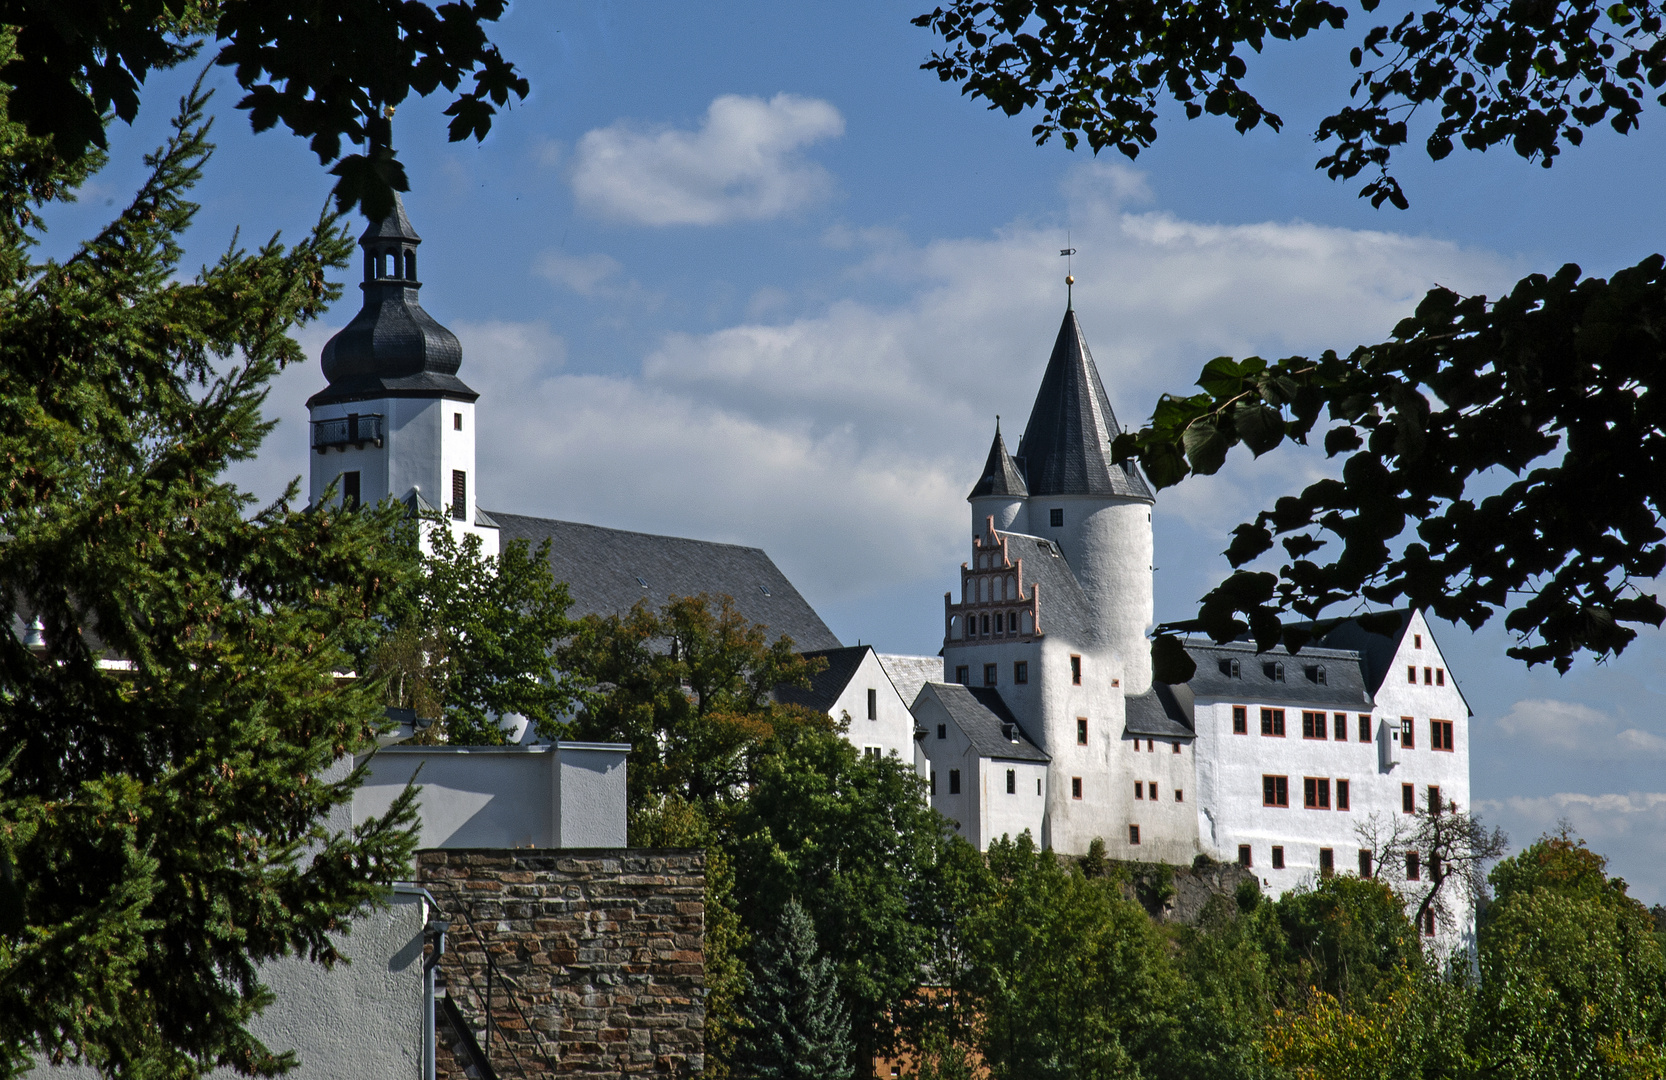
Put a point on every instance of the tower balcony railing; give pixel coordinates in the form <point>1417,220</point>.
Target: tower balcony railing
<point>354,429</point>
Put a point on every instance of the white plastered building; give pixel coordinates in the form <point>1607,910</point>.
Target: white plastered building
<point>1048,625</point>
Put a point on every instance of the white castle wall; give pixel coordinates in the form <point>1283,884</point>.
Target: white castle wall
<point>1168,826</point>
<point>1108,545</point>
<point>1009,513</point>
<point>892,729</point>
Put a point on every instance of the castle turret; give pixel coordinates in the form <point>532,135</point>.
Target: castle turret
<point>1000,493</point>
<point>1098,512</point>
<point>395,420</point>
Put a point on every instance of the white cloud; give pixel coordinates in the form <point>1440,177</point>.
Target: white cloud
<point>1571,729</point>
<point>743,164</point>
<point>586,275</point>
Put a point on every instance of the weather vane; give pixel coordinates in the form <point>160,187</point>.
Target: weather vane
<point>1069,278</point>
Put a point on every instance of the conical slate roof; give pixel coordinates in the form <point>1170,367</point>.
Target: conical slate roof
<point>1066,448</point>
<point>1000,475</point>
<point>392,348</point>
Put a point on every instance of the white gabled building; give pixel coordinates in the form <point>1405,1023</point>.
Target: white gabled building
<point>854,688</point>
<point>1267,759</point>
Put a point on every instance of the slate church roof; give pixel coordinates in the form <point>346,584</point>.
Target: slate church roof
<point>1066,448</point>
<point>986,721</point>
<point>392,347</point>
<point>1065,608</point>
<point>609,570</point>
<point>828,684</point>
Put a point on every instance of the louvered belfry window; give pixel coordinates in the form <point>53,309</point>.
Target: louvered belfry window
<point>459,494</point>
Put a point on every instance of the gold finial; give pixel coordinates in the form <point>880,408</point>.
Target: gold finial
<point>1070,279</point>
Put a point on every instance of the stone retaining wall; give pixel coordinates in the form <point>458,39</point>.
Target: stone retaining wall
<point>601,949</point>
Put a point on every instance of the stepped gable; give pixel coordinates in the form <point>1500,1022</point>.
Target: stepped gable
<point>608,571</point>
<point>1066,448</point>
<point>392,347</point>
<point>1000,475</point>
<point>1063,608</point>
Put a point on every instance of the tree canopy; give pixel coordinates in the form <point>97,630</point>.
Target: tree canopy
<point>171,725</point>
<point>1550,392</point>
<point>331,73</point>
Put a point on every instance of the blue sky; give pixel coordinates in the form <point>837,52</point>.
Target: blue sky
<point>744,272</point>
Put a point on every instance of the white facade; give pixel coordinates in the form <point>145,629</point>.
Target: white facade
<point>879,721</point>
<point>985,796</point>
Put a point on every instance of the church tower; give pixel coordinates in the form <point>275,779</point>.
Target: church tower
<point>395,420</point>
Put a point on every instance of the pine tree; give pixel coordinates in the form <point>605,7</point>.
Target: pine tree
<point>799,1028</point>
<point>171,717</point>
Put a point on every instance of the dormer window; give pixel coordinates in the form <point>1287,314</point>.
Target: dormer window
<point>1316,674</point>
<point>1231,668</point>
<point>1274,670</point>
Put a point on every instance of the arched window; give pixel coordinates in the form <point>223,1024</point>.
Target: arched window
<point>410,266</point>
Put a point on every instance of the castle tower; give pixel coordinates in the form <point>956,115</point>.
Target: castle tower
<point>1000,494</point>
<point>1099,513</point>
<point>395,420</point>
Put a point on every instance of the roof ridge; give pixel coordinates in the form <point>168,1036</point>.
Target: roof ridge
<point>631,532</point>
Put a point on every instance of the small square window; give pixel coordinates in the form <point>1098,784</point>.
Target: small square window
<point>1179,795</point>
<point>1012,781</point>
<point>1327,862</point>
<point>456,421</point>
<point>1076,670</point>
<point>1364,727</point>
<point>1275,791</point>
<point>1414,867</point>
<point>1408,799</point>
<point>963,675</point>
<point>1408,737</point>
<point>1152,785</point>
<point>1428,676</point>
<point>1240,720</point>
<point>1272,722</point>
<point>1081,731</point>
<point>1139,789</point>
<point>942,731</point>
<point>1440,734</point>
<point>350,490</point>
<point>990,672</point>
<point>1411,674</point>
<point>1341,727</point>
<point>1440,676</point>
<point>1342,795</point>
<point>1176,747</point>
<point>1134,835</point>
<point>1020,672</point>
<point>1075,787</point>
<point>1434,799</point>
<point>1278,857</point>
<point>1417,641</point>
<point>1429,923</point>
<point>1055,517</point>
<point>1244,856</point>
<point>873,753</point>
<point>1364,863</point>
<point>954,781</point>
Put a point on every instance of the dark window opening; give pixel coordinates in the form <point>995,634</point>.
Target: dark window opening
<point>1272,722</point>
<point>873,704</point>
<point>1179,795</point>
<point>1428,676</point>
<point>350,490</point>
<point>1411,674</point>
<point>942,731</point>
<point>1440,676</point>
<point>1429,923</point>
<point>1327,862</point>
<point>1278,857</point>
<point>990,674</point>
<point>1364,863</point>
<point>1274,670</point>
<point>1440,734</point>
<point>1342,795</point>
<point>1055,517</point>
<point>1244,857</point>
<point>1275,791</point>
<point>1315,673</point>
<point>1313,725</point>
<point>1316,792</point>
<point>954,781</point>
<point>1414,868</point>
<point>1408,737</point>
<point>1134,834</point>
<point>1434,799</point>
<point>1076,670</point>
<point>1231,668</point>
<point>1020,672</point>
<point>1364,728</point>
<point>934,782</point>
<point>1408,799</point>
<point>1240,720</point>
<point>1081,731</point>
<point>1341,734</point>
<point>1075,787</point>
<point>1139,789</point>
<point>459,495</point>
<point>963,675</point>
<point>456,421</point>
<point>1012,781</point>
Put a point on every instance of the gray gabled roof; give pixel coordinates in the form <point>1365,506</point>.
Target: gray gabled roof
<point>1065,609</point>
<point>1164,710</point>
<point>985,720</point>
<point>828,684</point>
<point>1376,651</point>
<point>1000,475</point>
<point>1344,685</point>
<point>396,226</point>
<point>608,570</point>
<point>1066,448</point>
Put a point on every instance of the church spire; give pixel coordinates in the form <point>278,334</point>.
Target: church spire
<point>1066,448</point>
<point>392,347</point>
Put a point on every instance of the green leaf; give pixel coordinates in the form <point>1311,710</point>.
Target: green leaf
<point>1260,427</point>
<point>1206,447</point>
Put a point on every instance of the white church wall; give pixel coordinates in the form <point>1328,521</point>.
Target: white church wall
<point>1010,514</point>
<point>369,461</point>
<point>951,764</point>
<point>1108,544</point>
<point>1074,822</point>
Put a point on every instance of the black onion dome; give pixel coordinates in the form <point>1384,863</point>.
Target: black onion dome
<point>392,348</point>
<point>1066,448</point>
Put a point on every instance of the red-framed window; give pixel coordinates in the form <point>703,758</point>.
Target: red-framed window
<point>1240,720</point>
<point>1082,732</point>
<point>1313,725</point>
<point>1316,792</point>
<point>1440,735</point>
<point>1275,791</point>
<point>1272,722</point>
<point>1343,795</point>
<point>1364,727</point>
<point>1408,734</point>
<point>1341,727</point>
